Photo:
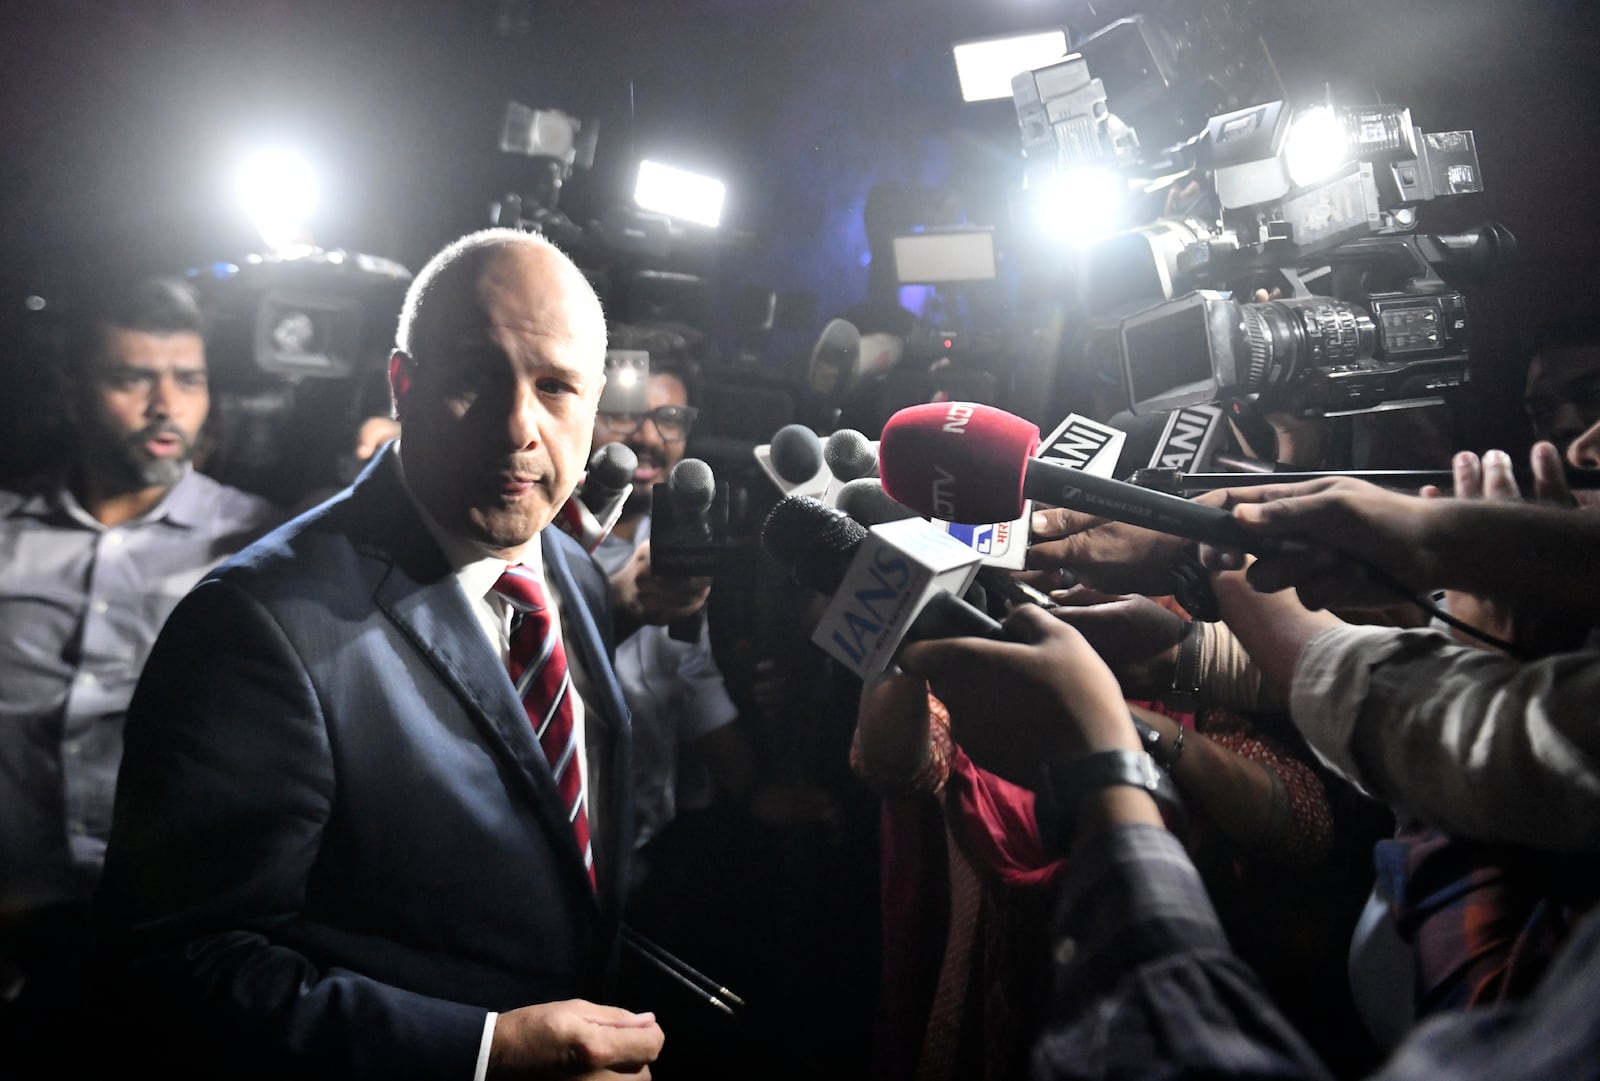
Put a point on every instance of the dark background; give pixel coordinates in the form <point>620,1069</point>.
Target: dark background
<point>120,123</point>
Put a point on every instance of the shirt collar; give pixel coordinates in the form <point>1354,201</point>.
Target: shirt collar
<point>185,504</point>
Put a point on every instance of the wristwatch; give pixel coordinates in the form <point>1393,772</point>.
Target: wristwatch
<point>1056,805</point>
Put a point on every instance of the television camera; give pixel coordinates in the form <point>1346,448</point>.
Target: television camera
<point>1286,269</point>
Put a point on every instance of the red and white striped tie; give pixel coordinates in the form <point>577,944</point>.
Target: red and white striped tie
<point>538,667</point>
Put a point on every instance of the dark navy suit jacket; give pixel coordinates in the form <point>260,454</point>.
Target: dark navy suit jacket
<point>337,842</point>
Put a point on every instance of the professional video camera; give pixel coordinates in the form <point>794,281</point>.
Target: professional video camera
<point>296,342</point>
<point>1285,269</point>
<point>1351,310</point>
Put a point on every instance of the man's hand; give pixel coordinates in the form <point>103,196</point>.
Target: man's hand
<point>1351,536</point>
<point>646,598</point>
<point>1491,478</point>
<point>1043,695</point>
<point>1135,636</point>
<point>573,1041</point>
<point>1112,557</point>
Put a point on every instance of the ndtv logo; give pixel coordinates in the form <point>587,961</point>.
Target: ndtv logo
<point>956,419</point>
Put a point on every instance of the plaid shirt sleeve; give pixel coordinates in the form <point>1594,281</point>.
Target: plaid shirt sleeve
<point>1145,983</point>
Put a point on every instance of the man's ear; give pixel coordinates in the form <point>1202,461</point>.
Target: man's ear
<point>400,371</point>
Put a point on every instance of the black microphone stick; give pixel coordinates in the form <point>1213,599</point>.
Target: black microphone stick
<point>1175,481</point>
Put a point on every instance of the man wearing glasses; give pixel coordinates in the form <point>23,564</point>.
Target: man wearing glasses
<point>669,677</point>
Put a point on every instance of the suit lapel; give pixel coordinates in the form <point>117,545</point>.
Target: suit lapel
<point>420,594</point>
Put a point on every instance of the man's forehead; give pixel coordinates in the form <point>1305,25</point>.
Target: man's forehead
<point>122,347</point>
<point>514,288</point>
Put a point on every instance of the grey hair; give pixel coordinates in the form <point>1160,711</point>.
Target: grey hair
<point>475,245</point>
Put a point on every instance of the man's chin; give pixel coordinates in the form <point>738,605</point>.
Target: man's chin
<point>165,472</point>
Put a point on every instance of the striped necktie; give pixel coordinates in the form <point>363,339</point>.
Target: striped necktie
<point>538,667</point>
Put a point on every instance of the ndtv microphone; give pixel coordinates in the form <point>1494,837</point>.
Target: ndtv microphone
<point>973,463</point>
<point>898,582</point>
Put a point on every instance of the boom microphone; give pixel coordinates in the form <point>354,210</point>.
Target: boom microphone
<point>591,514</point>
<point>972,463</point>
<point>896,583</point>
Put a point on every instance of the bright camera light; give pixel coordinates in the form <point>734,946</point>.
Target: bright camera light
<point>278,190</point>
<point>985,67</point>
<point>1316,146</point>
<point>1082,205</point>
<point>679,194</point>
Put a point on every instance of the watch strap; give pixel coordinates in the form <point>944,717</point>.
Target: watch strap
<point>1066,784</point>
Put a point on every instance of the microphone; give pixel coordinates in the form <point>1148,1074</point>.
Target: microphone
<point>867,502</point>
<point>593,511</point>
<point>898,582</point>
<point>849,456</point>
<point>972,463</point>
<point>681,543</point>
<point>1076,443</point>
<point>691,488</point>
<point>833,367</point>
<point>794,461</point>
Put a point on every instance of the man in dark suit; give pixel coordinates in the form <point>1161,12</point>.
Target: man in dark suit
<point>339,847</point>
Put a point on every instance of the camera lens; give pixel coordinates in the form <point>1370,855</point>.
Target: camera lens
<point>1288,339</point>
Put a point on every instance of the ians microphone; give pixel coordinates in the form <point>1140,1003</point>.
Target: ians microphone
<point>899,582</point>
<point>972,463</point>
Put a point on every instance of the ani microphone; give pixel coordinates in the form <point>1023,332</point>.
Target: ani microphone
<point>972,463</point>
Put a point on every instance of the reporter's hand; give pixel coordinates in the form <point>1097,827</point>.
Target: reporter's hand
<point>1112,557</point>
<point>573,1040</point>
<point>1135,636</point>
<point>1491,477</point>
<point>648,598</point>
<point>1041,695</point>
<point>1352,536</point>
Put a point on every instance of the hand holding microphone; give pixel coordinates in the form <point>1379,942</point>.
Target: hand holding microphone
<point>1041,696</point>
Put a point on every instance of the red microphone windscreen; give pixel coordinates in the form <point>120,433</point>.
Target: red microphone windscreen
<point>959,461</point>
